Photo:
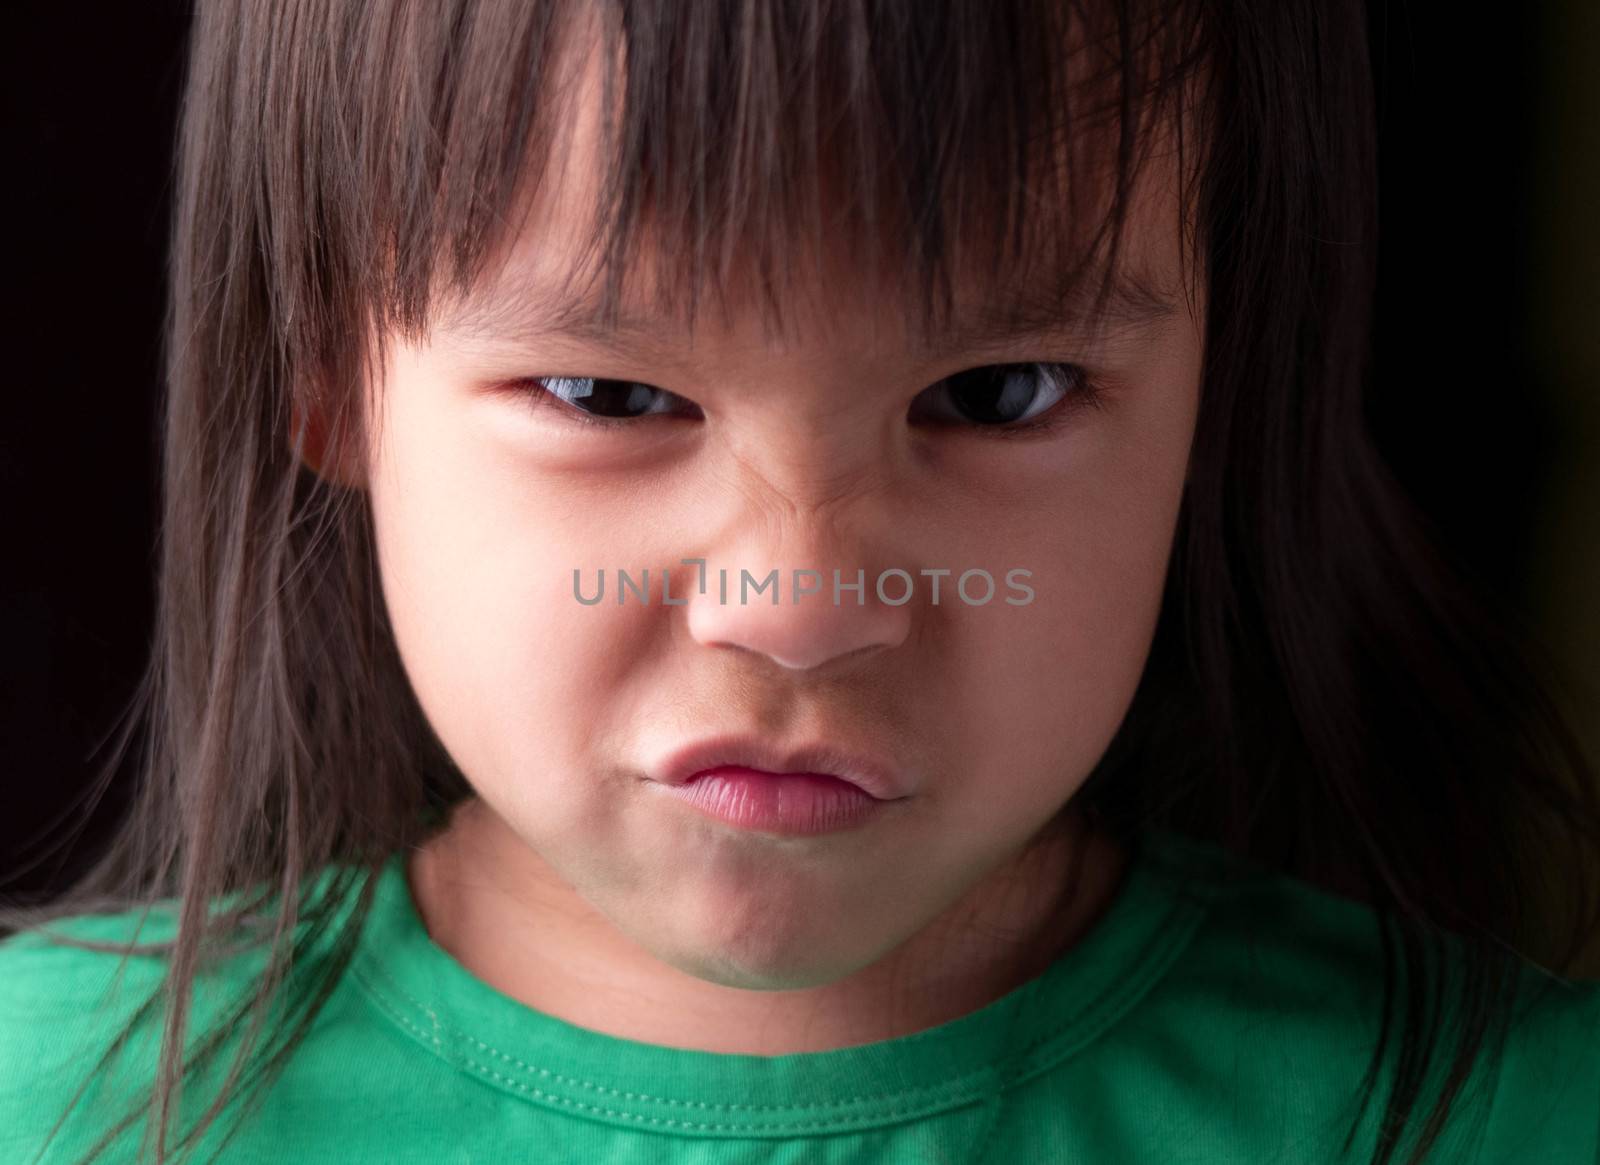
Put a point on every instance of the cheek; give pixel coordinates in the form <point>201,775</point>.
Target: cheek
<point>476,554</point>
<point>1042,688</point>
<point>1047,684</point>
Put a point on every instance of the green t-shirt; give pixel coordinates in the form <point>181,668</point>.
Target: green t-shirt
<point>1200,1021</point>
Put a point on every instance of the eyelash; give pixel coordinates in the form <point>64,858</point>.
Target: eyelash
<point>1085,393</point>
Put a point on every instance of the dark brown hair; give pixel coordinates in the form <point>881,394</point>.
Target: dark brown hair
<point>1321,696</point>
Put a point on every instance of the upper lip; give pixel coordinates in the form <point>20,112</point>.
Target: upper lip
<point>872,776</point>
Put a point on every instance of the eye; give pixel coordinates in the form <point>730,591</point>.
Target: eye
<point>601,401</point>
<point>1006,397</point>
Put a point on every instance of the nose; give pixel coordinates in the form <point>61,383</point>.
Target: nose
<point>800,610</point>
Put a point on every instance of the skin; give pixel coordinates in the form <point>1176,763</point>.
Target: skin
<point>575,884</point>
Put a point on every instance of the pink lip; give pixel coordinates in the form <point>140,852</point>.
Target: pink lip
<point>871,776</point>
<point>791,803</point>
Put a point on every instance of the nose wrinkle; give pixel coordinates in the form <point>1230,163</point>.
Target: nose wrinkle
<point>789,518</point>
<point>808,469</point>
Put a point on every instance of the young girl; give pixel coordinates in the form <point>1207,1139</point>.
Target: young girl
<point>795,581</point>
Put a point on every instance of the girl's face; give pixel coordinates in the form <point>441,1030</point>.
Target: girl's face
<point>843,445</point>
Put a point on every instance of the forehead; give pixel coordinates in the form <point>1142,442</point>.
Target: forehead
<point>551,270</point>
<point>536,299</point>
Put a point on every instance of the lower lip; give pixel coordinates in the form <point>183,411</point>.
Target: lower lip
<point>791,803</point>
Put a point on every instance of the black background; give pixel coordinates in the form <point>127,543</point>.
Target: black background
<point>90,112</point>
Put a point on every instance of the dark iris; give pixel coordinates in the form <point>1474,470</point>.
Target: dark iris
<point>605,398</point>
<point>995,394</point>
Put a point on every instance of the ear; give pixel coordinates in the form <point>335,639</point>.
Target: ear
<point>326,447</point>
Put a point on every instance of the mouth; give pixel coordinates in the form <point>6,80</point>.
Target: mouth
<point>869,774</point>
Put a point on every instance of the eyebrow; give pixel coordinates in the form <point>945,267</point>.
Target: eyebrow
<point>1135,304</point>
<point>1032,307</point>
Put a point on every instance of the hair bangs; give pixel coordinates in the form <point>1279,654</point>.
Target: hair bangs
<point>743,145</point>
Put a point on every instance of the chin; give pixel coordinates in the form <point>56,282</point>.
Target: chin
<point>763,957</point>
